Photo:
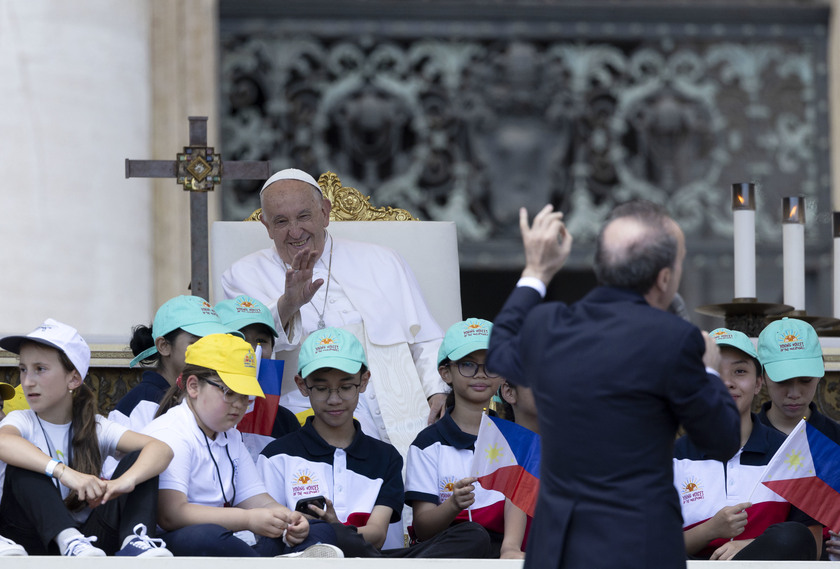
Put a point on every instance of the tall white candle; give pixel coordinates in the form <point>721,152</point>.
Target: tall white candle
<point>793,251</point>
<point>836,264</point>
<point>743,214</point>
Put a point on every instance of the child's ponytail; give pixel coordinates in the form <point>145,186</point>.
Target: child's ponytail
<point>85,457</point>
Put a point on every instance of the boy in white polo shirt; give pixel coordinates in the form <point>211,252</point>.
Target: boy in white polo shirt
<point>726,513</point>
<point>359,477</point>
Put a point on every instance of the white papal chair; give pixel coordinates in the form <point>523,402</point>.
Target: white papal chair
<point>429,247</point>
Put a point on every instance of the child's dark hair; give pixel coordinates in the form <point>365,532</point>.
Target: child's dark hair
<point>142,338</point>
<point>450,397</point>
<point>175,394</point>
<point>85,456</point>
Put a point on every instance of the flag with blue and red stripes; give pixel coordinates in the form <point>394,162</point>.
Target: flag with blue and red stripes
<point>260,419</point>
<point>805,471</point>
<point>507,459</point>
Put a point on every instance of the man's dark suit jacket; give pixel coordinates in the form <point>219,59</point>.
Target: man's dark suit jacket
<point>613,378</point>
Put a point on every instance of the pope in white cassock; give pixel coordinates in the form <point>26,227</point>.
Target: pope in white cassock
<point>311,280</point>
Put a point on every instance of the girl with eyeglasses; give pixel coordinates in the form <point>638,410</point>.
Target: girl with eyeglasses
<point>438,486</point>
<point>212,501</point>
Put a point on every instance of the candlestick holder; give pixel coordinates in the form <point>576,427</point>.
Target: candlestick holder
<point>747,316</point>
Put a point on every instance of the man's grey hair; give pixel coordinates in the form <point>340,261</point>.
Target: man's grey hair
<point>636,264</point>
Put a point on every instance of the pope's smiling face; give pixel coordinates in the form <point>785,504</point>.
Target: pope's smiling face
<point>296,216</point>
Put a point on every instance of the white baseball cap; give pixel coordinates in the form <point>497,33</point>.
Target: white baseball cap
<point>56,335</point>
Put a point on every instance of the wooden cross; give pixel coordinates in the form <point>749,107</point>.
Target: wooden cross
<point>198,170</point>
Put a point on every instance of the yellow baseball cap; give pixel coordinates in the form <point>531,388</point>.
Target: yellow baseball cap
<point>231,357</point>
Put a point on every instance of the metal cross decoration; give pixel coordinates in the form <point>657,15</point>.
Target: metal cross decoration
<point>198,169</point>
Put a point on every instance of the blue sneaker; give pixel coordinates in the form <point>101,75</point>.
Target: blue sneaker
<point>141,545</point>
<point>82,546</point>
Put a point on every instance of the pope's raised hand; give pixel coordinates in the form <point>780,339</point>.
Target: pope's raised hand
<point>300,287</point>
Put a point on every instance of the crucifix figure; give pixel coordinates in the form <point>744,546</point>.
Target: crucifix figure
<point>198,170</point>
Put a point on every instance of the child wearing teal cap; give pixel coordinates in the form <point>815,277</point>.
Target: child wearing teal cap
<point>792,360</point>
<point>252,318</point>
<point>726,513</point>
<point>179,322</point>
<point>438,486</point>
<point>353,481</point>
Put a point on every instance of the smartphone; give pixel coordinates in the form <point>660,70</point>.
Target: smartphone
<point>303,504</point>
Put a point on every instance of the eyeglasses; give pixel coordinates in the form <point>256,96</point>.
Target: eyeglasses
<point>469,369</point>
<point>346,391</point>
<point>229,395</point>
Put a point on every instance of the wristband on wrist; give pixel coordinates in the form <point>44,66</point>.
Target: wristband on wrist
<point>50,469</point>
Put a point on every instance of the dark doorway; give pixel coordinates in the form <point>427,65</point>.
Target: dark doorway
<point>483,292</point>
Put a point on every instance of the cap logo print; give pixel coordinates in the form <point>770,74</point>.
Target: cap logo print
<point>788,341</point>
<point>327,344</point>
<point>250,360</point>
<point>247,307</point>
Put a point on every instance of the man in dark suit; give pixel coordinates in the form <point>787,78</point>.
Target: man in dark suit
<point>614,375</point>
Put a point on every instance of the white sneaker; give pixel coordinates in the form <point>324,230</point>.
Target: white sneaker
<point>82,546</point>
<point>10,548</point>
<point>141,545</point>
<point>317,551</point>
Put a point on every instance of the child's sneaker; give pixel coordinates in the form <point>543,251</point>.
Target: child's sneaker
<point>141,545</point>
<point>10,548</point>
<point>82,546</point>
<point>317,551</point>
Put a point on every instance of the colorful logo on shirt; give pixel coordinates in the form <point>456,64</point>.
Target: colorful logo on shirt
<point>305,483</point>
<point>789,341</point>
<point>446,486</point>
<point>692,490</point>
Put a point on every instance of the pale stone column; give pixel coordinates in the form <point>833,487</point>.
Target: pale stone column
<point>184,74</point>
<point>74,103</point>
<point>87,84</point>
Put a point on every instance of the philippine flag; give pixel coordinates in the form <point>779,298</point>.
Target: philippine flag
<point>507,459</point>
<point>260,419</point>
<point>805,471</point>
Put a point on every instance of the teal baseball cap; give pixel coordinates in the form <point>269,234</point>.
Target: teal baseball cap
<point>464,338</point>
<point>243,311</point>
<point>735,339</point>
<point>192,314</point>
<point>789,348</point>
<point>331,347</point>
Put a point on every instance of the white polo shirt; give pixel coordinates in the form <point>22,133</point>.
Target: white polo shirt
<point>108,434</point>
<point>207,471</point>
